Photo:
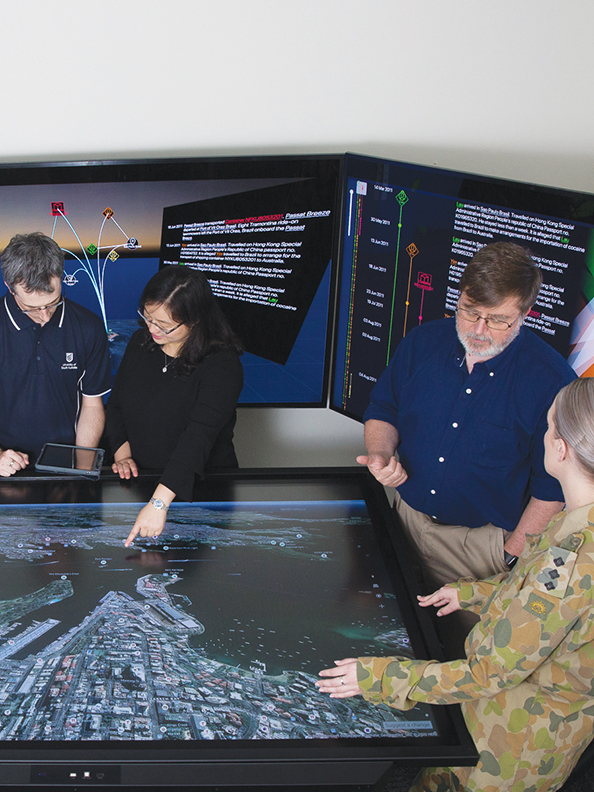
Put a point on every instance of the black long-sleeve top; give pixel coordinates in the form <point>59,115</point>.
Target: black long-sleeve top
<point>180,425</point>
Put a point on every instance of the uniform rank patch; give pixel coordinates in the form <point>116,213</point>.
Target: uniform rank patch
<point>556,571</point>
<point>538,606</point>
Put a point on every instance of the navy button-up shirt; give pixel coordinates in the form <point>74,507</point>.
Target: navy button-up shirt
<point>45,371</point>
<point>472,444</point>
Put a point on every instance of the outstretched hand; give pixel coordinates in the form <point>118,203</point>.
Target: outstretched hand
<point>150,522</point>
<point>445,598</point>
<point>388,472</point>
<point>341,682</point>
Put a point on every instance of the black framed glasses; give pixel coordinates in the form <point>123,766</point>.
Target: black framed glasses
<point>158,326</point>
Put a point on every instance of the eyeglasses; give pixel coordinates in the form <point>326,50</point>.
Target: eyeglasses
<point>54,304</point>
<point>158,326</point>
<point>492,324</point>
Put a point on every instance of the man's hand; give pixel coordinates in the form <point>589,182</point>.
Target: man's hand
<point>11,461</point>
<point>381,441</point>
<point>150,522</point>
<point>125,468</point>
<point>388,472</point>
<point>342,681</point>
<point>445,598</point>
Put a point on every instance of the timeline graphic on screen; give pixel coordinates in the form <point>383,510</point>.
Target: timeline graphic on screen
<point>408,233</point>
<point>262,228</point>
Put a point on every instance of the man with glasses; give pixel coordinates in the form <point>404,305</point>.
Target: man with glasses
<point>464,401</point>
<point>54,360</point>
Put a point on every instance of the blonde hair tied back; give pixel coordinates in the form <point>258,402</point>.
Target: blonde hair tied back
<point>574,420</point>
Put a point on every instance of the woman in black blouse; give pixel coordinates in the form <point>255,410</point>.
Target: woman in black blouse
<point>172,406</point>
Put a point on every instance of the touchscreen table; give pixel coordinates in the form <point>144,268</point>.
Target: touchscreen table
<point>198,650</point>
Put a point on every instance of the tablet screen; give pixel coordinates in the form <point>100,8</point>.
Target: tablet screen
<point>68,458</point>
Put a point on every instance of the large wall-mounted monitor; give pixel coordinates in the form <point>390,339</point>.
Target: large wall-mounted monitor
<point>408,233</point>
<point>191,659</point>
<point>262,228</point>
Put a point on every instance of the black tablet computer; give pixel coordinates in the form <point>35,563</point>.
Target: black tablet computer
<point>79,460</point>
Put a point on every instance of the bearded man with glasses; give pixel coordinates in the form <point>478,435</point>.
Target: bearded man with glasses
<point>464,402</point>
<point>54,357</point>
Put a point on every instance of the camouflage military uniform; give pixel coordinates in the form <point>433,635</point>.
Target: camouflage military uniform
<point>527,686</point>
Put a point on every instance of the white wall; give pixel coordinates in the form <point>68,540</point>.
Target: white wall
<point>497,88</point>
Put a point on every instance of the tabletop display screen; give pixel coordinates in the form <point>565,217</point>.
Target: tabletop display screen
<point>408,233</point>
<point>206,642</point>
<point>262,228</point>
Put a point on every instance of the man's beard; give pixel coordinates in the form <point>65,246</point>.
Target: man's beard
<point>485,351</point>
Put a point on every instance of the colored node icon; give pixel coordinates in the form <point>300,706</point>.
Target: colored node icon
<point>93,258</point>
<point>57,209</point>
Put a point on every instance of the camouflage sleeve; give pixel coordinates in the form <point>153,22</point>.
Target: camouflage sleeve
<point>390,679</point>
<point>473,594</point>
<point>518,635</point>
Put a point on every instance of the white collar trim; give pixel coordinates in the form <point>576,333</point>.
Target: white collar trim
<point>10,316</point>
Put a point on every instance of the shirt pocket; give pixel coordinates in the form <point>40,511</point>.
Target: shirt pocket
<point>498,446</point>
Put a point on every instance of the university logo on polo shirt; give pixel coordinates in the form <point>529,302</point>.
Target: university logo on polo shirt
<point>69,364</point>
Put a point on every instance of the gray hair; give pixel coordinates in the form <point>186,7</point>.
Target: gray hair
<point>32,261</point>
<point>574,420</point>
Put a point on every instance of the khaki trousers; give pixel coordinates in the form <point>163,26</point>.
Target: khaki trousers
<point>445,553</point>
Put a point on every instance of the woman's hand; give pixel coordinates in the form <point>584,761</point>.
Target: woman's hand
<point>125,468</point>
<point>445,598</point>
<point>342,680</point>
<point>123,464</point>
<point>11,461</point>
<point>150,522</point>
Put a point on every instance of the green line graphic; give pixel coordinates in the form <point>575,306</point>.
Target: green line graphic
<point>402,198</point>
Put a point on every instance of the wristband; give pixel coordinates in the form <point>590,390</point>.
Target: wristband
<point>509,559</point>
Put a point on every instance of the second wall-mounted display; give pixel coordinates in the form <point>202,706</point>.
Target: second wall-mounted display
<point>409,231</point>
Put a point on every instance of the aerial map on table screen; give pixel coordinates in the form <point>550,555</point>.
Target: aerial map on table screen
<point>216,630</point>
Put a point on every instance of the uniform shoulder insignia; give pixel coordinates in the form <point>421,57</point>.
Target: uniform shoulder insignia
<point>556,571</point>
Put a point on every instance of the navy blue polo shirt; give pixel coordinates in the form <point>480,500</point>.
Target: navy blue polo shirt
<point>45,371</point>
<point>472,444</point>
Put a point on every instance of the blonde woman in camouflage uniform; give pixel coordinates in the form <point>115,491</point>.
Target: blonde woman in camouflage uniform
<point>526,686</point>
